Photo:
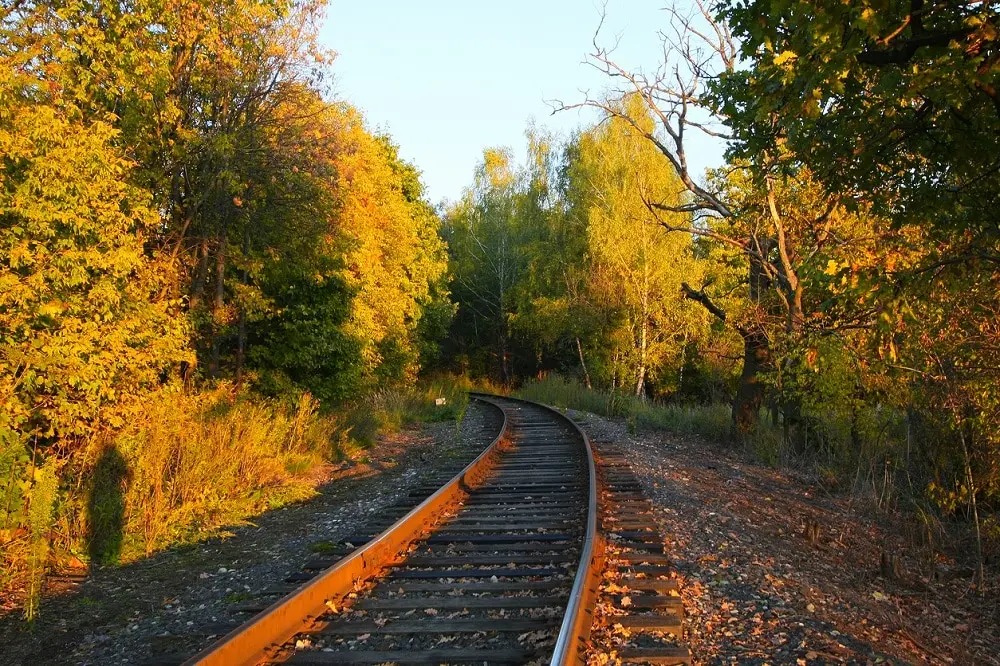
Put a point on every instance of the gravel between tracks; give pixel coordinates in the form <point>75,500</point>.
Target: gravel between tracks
<point>127,615</point>
<point>756,591</point>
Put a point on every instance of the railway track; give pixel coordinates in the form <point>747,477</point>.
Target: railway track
<point>500,565</point>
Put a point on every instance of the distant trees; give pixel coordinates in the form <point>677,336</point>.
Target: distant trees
<point>563,258</point>
<point>635,270</point>
<point>486,243</point>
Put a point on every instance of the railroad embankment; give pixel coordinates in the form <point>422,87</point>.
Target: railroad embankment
<point>775,570</point>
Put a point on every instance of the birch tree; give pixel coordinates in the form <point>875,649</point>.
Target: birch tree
<point>487,255</point>
<point>635,268</point>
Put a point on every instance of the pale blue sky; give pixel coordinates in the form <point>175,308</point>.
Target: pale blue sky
<point>448,78</point>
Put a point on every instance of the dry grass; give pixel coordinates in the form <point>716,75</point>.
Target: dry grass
<point>199,462</point>
<point>186,466</point>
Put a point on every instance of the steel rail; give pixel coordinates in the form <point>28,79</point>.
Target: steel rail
<point>578,620</point>
<point>255,640</point>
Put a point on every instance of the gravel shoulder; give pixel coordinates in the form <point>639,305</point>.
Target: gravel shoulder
<point>756,590</point>
<point>129,614</point>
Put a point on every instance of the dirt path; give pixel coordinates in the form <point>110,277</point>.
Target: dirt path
<point>129,614</point>
<point>757,591</point>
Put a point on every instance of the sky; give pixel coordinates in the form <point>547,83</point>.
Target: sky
<point>447,78</point>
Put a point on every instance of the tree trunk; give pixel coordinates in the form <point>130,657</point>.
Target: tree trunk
<point>794,432</point>
<point>241,342</point>
<point>680,371</point>
<point>217,305</point>
<point>502,353</point>
<point>756,350</point>
<point>971,480</point>
<point>194,300</point>
<point>586,375</point>
<point>200,275</point>
<point>750,391</point>
<point>241,331</point>
<point>640,384</point>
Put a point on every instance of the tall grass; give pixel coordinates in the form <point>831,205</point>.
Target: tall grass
<point>388,410</point>
<point>711,421</point>
<point>186,466</point>
<point>839,449</point>
<point>197,462</point>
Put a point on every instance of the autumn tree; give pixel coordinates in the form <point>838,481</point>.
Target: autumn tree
<point>395,260</point>
<point>778,245</point>
<point>635,270</point>
<point>86,325</point>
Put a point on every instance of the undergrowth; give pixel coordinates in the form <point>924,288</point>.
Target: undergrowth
<point>831,456</point>
<point>387,410</point>
<point>710,421</point>
<point>188,465</point>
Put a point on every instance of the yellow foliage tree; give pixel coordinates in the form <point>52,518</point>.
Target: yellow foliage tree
<point>637,267</point>
<point>83,333</point>
<point>395,256</point>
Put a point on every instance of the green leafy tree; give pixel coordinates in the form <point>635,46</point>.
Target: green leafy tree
<point>488,260</point>
<point>897,102</point>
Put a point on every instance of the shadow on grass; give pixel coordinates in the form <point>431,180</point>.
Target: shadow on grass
<point>106,508</point>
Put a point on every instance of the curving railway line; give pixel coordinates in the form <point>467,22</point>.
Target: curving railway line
<point>501,564</point>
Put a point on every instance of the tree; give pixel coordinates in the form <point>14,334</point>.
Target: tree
<point>554,307</point>
<point>891,101</point>
<point>395,260</point>
<point>743,210</point>
<point>84,330</point>
<point>896,105</point>
<point>487,255</point>
<point>635,268</point>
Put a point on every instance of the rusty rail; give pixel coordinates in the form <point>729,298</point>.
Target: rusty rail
<point>576,625</point>
<point>253,642</point>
